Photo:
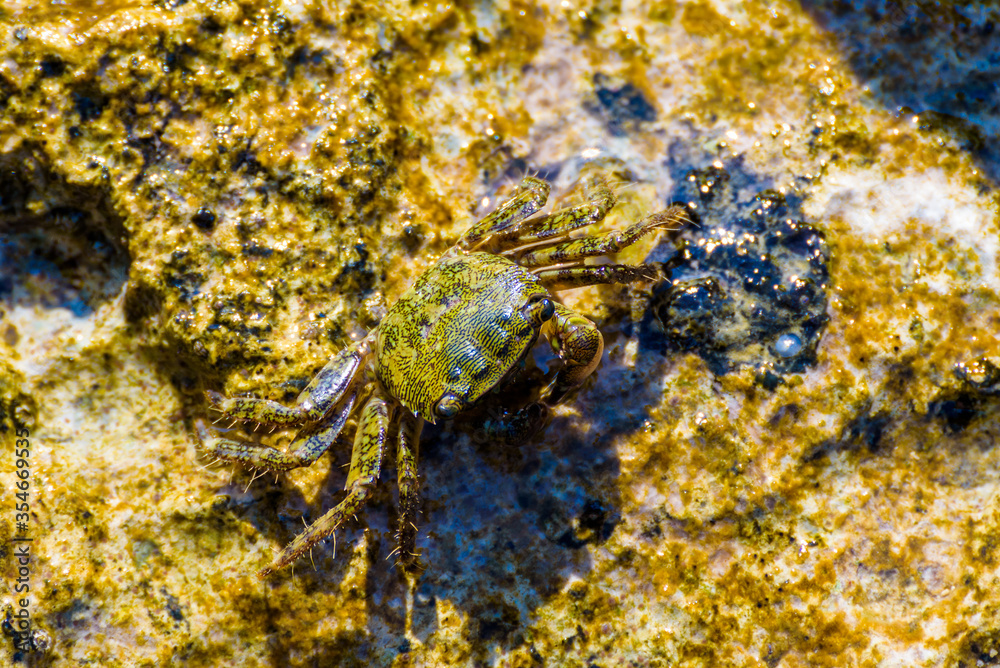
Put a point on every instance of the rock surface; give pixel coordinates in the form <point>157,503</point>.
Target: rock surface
<point>787,458</point>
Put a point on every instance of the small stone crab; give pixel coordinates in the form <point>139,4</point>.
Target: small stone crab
<point>460,332</point>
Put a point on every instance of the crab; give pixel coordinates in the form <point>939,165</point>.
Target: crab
<point>458,334</point>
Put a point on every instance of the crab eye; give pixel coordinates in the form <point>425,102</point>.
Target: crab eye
<point>548,309</point>
<point>448,407</point>
<point>539,309</point>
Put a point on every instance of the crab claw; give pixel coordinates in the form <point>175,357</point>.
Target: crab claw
<point>516,428</point>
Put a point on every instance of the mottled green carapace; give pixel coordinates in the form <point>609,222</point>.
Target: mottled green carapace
<point>458,331</point>
<point>462,328</point>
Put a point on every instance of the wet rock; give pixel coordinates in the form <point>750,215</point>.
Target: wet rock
<point>198,195</point>
<point>749,282</point>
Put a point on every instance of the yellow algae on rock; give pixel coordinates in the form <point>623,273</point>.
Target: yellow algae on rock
<point>222,195</point>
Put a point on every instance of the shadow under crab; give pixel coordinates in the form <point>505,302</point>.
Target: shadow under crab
<point>459,334</point>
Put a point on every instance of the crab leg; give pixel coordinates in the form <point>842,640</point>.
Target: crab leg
<point>303,451</point>
<point>579,343</point>
<point>366,464</point>
<point>324,392</point>
<point>577,277</point>
<point>612,242</point>
<point>529,196</point>
<point>600,200</point>
<point>409,486</point>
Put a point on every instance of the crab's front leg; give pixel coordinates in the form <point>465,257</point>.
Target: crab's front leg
<point>324,405</point>
<point>326,389</point>
<point>366,463</point>
<point>579,343</point>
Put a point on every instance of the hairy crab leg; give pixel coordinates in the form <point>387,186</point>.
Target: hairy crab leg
<point>327,389</point>
<point>612,242</point>
<point>409,486</point>
<point>578,277</point>
<point>366,463</point>
<point>529,196</point>
<point>303,451</point>
<point>555,226</point>
<point>579,343</point>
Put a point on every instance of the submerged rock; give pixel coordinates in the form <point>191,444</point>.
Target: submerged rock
<point>749,282</point>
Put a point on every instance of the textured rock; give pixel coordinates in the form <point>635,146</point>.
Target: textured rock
<point>212,195</point>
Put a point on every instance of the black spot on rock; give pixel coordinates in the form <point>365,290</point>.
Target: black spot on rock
<point>867,430</point>
<point>180,274</point>
<point>625,102</point>
<point>52,66</point>
<point>595,525</point>
<point>204,218</point>
<point>173,605</point>
<point>247,159</point>
<point>623,107</point>
<point>749,282</point>
<point>210,25</point>
<point>254,249</point>
<point>358,274</point>
<point>141,301</point>
<point>89,105</point>
<point>957,412</point>
<point>412,237</point>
